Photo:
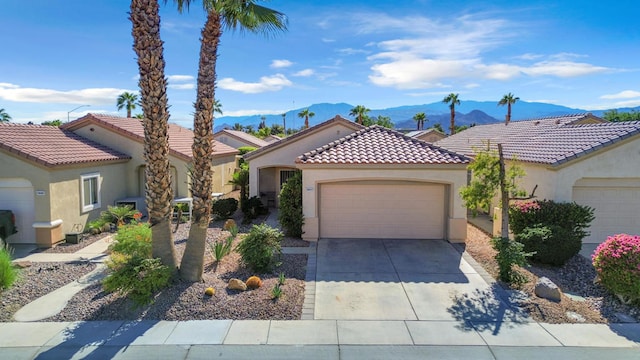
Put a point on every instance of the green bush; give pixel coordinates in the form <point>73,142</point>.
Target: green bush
<point>133,240</point>
<point>96,226</point>
<point>8,273</point>
<point>510,253</point>
<point>260,249</point>
<point>119,214</point>
<point>224,208</point>
<point>137,278</point>
<point>553,231</point>
<point>617,262</point>
<point>290,212</point>
<point>253,207</point>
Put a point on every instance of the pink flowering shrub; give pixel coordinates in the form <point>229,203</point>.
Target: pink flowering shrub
<point>617,262</point>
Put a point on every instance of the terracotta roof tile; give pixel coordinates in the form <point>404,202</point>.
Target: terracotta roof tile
<point>51,146</point>
<point>378,145</point>
<point>180,138</point>
<point>243,136</point>
<point>546,141</point>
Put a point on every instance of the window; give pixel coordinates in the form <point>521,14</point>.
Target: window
<point>90,194</point>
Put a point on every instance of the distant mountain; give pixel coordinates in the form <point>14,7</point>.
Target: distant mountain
<point>467,113</point>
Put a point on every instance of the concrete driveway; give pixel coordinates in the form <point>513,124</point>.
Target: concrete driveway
<point>371,279</point>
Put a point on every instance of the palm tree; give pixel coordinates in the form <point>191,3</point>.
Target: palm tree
<point>217,107</point>
<point>359,112</point>
<point>4,116</point>
<point>128,101</point>
<point>508,99</point>
<point>145,20</point>
<point>231,15</point>
<point>306,114</point>
<point>452,100</point>
<point>238,127</point>
<point>420,118</point>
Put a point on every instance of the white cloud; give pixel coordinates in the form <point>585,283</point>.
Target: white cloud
<point>180,78</point>
<point>351,51</point>
<point>184,82</point>
<point>563,69</point>
<point>326,40</point>
<point>415,73</point>
<point>182,86</point>
<point>529,56</point>
<point>625,94</point>
<point>628,103</point>
<point>304,73</point>
<point>278,64</point>
<point>250,112</point>
<point>12,92</point>
<point>267,83</point>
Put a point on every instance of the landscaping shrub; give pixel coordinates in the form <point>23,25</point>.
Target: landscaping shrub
<point>617,262</point>
<point>252,208</point>
<point>133,240</point>
<point>224,208</point>
<point>290,213</point>
<point>553,231</point>
<point>96,226</point>
<point>260,249</point>
<point>509,254</point>
<point>8,273</point>
<point>119,214</point>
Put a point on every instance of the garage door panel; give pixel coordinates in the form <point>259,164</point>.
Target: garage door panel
<point>18,196</point>
<point>617,210</point>
<point>398,210</point>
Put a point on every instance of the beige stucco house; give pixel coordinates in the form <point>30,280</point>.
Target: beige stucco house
<point>367,182</point>
<point>237,139</point>
<point>429,135</point>
<point>58,179</point>
<point>579,158</point>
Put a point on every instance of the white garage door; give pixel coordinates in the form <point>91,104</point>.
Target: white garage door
<point>617,210</point>
<point>392,210</point>
<point>17,195</point>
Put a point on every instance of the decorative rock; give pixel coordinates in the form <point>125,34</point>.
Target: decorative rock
<point>237,284</point>
<point>546,289</point>
<point>22,264</point>
<point>210,291</point>
<point>254,282</point>
<point>230,223</point>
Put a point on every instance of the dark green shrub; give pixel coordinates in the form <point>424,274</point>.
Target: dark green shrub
<point>290,212</point>
<point>617,262</point>
<point>253,207</point>
<point>96,226</point>
<point>224,208</point>
<point>8,273</point>
<point>119,215</point>
<point>137,278</point>
<point>554,231</point>
<point>510,253</point>
<point>133,240</point>
<point>260,249</point>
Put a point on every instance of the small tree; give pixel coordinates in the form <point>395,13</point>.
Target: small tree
<point>490,175</point>
<point>290,214</point>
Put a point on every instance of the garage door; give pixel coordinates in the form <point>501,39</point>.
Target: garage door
<point>392,210</point>
<point>17,195</point>
<point>617,210</point>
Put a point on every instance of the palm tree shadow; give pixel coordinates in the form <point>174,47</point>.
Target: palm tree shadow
<point>487,310</point>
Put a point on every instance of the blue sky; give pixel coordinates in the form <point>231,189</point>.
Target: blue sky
<point>58,55</point>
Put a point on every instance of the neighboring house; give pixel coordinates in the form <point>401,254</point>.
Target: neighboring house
<point>58,179</point>
<point>579,158</point>
<point>272,138</point>
<point>429,135</point>
<point>53,179</point>
<point>237,139</point>
<point>379,183</point>
<point>271,165</point>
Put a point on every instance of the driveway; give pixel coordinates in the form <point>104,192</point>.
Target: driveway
<point>372,279</point>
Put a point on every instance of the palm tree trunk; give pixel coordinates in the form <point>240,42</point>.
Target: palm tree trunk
<point>148,46</point>
<point>192,264</point>
<point>452,127</point>
<point>128,112</point>
<point>508,113</point>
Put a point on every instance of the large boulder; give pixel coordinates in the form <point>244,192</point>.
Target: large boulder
<point>237,284</point>
<point>547,289</point>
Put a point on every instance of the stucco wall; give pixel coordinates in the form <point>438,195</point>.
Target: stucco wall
<point>285,156</point>
<point>223,169</point>
<point>231,141</point>
<point>454,176</point>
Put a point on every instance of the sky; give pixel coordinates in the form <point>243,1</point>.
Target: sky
<point>62,59</point>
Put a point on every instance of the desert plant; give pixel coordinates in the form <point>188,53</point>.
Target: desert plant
<point>290,212</point>
<point>617,262</point>
<point>276,292</point>
<point>137,278</point>
<point>510,253</point>
<point>224,208</point>
<point>133,240</point>
<point>220,249</point>
<point>281,278</point>
<point>118,214</point>
<point>252,208</point>
<point>8,273</point>
<point>233,231</point>
<point>96,226</point>
<point>554,231</point>
<point>260,249</point>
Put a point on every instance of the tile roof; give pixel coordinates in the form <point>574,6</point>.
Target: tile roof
<point>417,133</point>
<point>51,146</point>
<point>379,145</point>
<point>245,137</point>
<point>546,141</point>
<point>180,138</point>
<point>306,132</point>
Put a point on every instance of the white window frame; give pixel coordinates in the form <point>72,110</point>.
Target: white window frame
<point>97,204</point>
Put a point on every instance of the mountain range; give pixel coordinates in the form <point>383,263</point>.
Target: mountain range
<point>467,113</point>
